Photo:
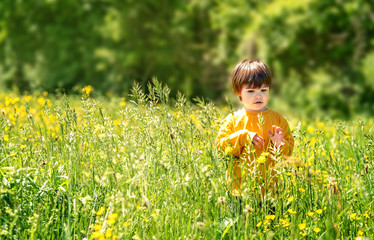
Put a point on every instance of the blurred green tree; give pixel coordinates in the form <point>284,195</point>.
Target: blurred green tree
<point>320,51</point>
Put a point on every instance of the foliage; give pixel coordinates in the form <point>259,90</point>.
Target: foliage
<point>321,52</point>
<point>146,167</point>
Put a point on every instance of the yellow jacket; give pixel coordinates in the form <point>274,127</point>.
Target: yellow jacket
<point>237,132</point>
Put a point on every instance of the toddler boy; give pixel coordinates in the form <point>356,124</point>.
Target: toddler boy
<point>252,134</point>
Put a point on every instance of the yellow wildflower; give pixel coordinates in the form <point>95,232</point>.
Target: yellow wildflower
<point>113,216</point>
<point>6,138</point>
<point>261,159</point>
<point>353,215</point>
<point>108,233</point>
<point>97,227</point>
<point>111,221</point>
<point>302,226</point>
<point>229,150</point>
<point>259,224</point>
<point>290,199</point>
<point>291,211</point>
<point>101,211</point>
<point>126,224</point>
<point>87,89</point>
<point>310,214</point>
<point>270,217</point>
<point>41,101</point>
<point>317,230</point>
<point>319,211</point>
<point>310,129</point>
<point>360,232</point>
<point>97,234</point>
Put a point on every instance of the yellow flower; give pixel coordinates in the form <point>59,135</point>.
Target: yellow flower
<point>265,154</point>
<point>97,227</point>
<point>290,199</point>
<point>360,232</point>
<point>310,214</point>
<point>291,211</point>
<point>319,211</point>
<point>310,129</point>
<point>97,234</point>
<point>101,211</point>
<point>303,234</point>
<point>41,101</point>
<point>6,138</point>
<point>261,159</point>
<point>87,89</point>
<point>270,217</point>
<point>259,224</point>
<point>229,150</point>
<point>111,221</point>
<point>126,224</point>
<point>317,230</point>
<point>122,104</point>
<point>116,122</point>
<point>302,226</point>
<point>113,216</point>
<point>301,190</point>
<point>353,215</point>
<point>108,233</point>
<point>282,221</point>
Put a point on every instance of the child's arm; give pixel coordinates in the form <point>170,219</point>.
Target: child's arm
<point>227,136</point>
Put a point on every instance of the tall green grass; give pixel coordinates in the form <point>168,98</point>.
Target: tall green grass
<point>145,167</point>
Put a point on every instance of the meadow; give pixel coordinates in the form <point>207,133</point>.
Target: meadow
<point>145,167</point>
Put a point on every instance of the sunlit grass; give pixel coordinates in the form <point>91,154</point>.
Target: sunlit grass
<point>145,167</point>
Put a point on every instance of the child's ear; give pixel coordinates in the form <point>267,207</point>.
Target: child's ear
<point>239,94</point>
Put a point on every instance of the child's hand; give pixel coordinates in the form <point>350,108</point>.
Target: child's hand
<point>277,136</point>
<point>258,141</point>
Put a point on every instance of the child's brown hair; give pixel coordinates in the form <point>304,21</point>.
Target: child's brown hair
<point>252,72</point>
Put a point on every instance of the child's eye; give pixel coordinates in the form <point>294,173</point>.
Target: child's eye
<point>251,91</point>
<point>264,90</point>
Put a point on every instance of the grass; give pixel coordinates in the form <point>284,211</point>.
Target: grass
<point>146,168</point>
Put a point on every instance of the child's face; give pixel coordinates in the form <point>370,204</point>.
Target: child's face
<point>254,99</point>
